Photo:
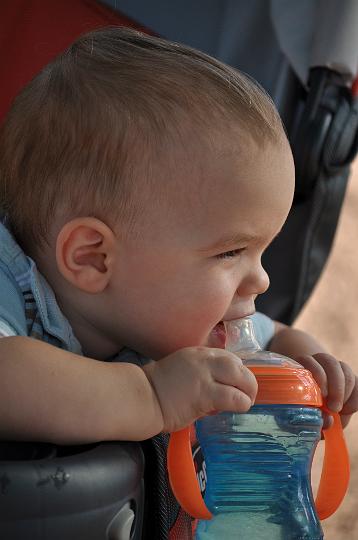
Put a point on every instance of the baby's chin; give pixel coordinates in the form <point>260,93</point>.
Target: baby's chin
<point>217,337</point>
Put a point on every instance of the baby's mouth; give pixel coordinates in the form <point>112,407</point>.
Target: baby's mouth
<point>217,337</point>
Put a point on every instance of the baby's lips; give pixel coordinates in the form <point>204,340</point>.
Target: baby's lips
<point>219,328</point>
<point>217,336</point>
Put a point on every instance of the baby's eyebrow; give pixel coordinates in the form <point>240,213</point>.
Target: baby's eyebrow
<point>228,241</point>
<point>235,239</point>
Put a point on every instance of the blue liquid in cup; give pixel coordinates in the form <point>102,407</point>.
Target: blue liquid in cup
<point>259,473</point>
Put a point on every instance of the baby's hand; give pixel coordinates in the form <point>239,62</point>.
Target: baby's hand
<point>338,384</point>
<point>197,381</point>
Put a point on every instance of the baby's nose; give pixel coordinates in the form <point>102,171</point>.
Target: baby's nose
<point>255,283</point>
<point>263,280</point>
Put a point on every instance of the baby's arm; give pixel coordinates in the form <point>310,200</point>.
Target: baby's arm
<point>48,394</point>
<point>338,383</point>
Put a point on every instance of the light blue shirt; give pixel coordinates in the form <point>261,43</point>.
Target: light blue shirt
<point>28,305</point>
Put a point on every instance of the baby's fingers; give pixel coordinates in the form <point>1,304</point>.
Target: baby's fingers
<point>327,420</point>
<point>230,371</point>
<point>351,405</point>
<point>317,371</point>
<point>229,398</point>
<point>332,383</point>
<point>350,383</point>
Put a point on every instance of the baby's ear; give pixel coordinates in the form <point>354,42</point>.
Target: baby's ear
<point>85,250</point>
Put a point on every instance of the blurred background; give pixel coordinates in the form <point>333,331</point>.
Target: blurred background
<point>331,315</point>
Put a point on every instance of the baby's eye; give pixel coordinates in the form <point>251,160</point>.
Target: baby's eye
<point>230,254</point>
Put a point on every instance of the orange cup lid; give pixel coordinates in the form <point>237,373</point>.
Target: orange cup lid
<point>283,381</point>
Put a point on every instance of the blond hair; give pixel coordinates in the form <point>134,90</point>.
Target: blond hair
<point>83,133</point>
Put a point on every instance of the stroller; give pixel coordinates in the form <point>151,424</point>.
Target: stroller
<point>118,491</point>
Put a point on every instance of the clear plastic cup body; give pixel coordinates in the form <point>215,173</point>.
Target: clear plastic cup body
<point>258,468</point>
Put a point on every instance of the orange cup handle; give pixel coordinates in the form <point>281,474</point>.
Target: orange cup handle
<point>182,475</point>
<point>335,471</point>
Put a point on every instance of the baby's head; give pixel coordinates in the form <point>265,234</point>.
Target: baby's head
<point>145,179</point>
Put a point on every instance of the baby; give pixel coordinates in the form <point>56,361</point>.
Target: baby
<point>143,180</point>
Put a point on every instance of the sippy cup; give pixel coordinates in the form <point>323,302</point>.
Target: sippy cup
<point>258,464</point>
